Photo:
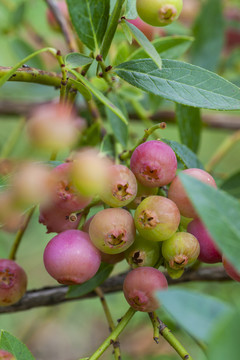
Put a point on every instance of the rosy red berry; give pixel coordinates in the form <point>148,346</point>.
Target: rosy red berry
<point>157,218</point>
<point>13,282</point>
<point>230,270</point>
<point>112,230</point>
<point>140,285</point>
<point>178,194</point>
<point>209,253</point>
<point>71,258</point>
<point>154,163</point>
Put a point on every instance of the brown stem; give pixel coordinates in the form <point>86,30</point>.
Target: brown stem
<point>56,295</point>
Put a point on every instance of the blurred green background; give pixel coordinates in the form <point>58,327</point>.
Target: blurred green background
<point>73,330</point>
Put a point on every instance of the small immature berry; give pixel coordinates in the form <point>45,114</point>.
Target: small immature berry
<point>120,186</point>
<point>140,285</point>
<point>154,163</point>
<point>157,218</point>
<point>13,282</point>
<point>230,270</point>
<point>142,253</point>
<point>209,253</point>
<point>178,194</point>
<point>71,258</point>
<point>180,250</point>
<point>112,230</point>
<point>159,12</point>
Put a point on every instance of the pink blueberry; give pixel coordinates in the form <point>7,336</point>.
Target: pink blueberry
<point>140,285</point>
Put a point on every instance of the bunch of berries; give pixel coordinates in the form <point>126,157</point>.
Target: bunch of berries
<point>145,217</point>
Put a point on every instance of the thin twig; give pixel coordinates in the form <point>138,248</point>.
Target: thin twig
<point>57,295</point>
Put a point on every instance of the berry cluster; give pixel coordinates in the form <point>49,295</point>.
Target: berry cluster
<point>146,218</point>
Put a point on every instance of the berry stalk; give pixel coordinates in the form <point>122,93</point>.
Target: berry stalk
<point>116,346</point>
<point>147,132</point>
<point>114,335</point>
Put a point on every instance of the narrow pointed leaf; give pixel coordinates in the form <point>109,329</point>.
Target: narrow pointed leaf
<point>145,43</point>
<point>181,82</point>
<point>100,96</point>
<point>169,47</point>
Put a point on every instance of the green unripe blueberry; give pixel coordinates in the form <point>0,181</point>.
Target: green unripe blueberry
<point>180,250</point>
<point>159,12</point>
<point>157,218</point>
<point>142,253</point>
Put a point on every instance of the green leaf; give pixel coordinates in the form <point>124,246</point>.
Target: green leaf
<point>100,96</point>
<point>220,214</point>
<point>189,125</point>
<point>193,311</point>
<point>90,18</point>
<point>131,11</point>
<point>83,289</point>
<point>119,128</point>
<point>224,343</point>
<point>17,15</point>
<point>82,89</point>
<point>170,47</point>
<point>184,154</point>
<point>232,185</point>
<point>108,146</point>
<point>112,27</point>
<point>10,343</point>
<point>181,82</point>
<point>74,60</point>
<point>91,136</point>
<point>208,31</point>
<point>145,43</point>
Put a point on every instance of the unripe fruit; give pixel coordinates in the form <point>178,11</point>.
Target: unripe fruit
<point>230,270</point>
<point>142,253</point>
<point>53,127</point>
<point>178,194</point>
<point>112,230</point>
<point>159,12</point>
<point>180,250</point>
<point>154,163</point>
<point>107,258</point>
<point>209,253</point>
<point>65,195</point>
<point>89,171</point>
<point>71,258</point>
<point>142,193</point>
<point>120,187</point>
<point>5,355</point>
<point>157,218</point>
<point>11,217</point>
<point>13,282</point>
<point>139,288</point>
